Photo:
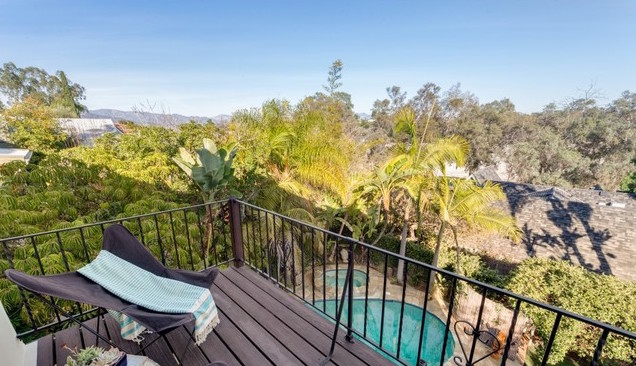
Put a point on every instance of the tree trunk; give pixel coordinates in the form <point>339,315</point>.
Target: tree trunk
<point>208,234</point>
<point>332,255</point>
<point>457,268</point>
<point>405,232</point>
<point>420,224</point>
<point>381,234</point>
<point>438,247</point>
<point>209,226</point>
<point>386,209</point>
<point>400,270</point>
<point>342,225</point>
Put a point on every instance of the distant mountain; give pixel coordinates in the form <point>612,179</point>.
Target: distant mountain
<point>147,118</point>
<point>364,115</point>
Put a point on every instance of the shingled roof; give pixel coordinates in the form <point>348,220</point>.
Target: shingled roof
<point>487,173</point>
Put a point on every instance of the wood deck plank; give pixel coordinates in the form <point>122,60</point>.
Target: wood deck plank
<point>299,324</point>
<point>92,340</point>
<point>159,351</point>
<point>216,350</point>
<point>261,324</point>
<point>180,341</point>
<point>113,330</point>
<point>45,356</point>
<point>241,346</point>
<point>276,329</point>
<point>269,346</point>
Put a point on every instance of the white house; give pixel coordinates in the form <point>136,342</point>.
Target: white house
<point>85,130</point>
<point>10,152</point>
<point>453,171</point>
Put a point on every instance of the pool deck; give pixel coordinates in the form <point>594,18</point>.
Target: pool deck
<point>261,324</point>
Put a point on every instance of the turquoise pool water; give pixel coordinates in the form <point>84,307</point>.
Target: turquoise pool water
<point>359,278</point>
<point>432,338</point>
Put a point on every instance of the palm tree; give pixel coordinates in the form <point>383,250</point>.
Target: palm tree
<point>300,150</point>
<point>343,204</point>
<point>385,181</point>
<point>420,160</point>
<point>457,201</point>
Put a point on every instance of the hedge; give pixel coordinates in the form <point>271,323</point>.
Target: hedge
<point>601,297</point>
<point>574,288</point>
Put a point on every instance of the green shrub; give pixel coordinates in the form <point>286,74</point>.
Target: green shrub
<point>490,276</point>
<point>601,297</point>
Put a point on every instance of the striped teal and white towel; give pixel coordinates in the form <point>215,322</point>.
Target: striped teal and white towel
<point>128,328</point>
<point>140,287</point>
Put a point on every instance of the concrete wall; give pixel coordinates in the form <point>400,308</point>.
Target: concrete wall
<point>12,350</point>
<point>591,228</point>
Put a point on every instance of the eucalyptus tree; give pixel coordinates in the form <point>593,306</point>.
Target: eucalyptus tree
<point>18,84</point>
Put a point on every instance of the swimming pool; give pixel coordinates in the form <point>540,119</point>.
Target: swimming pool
<point>432,338</point>
<point>359,278</point>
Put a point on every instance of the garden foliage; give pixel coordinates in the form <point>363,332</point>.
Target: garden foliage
<point>601,297</point>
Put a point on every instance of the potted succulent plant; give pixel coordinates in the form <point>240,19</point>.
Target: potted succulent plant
<point>96,356</point>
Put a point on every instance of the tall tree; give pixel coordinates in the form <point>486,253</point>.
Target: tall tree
<point>420,160</point>
<point>333,81</point>
<point>64,99</point>
<point>56,91</point>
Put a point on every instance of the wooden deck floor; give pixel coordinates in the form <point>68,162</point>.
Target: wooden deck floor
<point>260,325</point>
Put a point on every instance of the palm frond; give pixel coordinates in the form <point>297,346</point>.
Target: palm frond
<point>443,151</point>
<point>498,221</point>
<point>469,197</point>
<point>405,122</point>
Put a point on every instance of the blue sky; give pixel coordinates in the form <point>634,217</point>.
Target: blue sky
<point>212,57</point>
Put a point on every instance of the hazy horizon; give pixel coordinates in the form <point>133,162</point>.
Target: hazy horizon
<point>207,59</point>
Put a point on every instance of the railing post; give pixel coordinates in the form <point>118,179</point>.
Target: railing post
<point>349,336</point>
<point>340,308</point>
<point>236,232</point>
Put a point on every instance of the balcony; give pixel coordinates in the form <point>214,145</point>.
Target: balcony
<point>280,292</point>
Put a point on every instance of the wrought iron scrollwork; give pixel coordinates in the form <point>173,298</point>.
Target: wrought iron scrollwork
<point>482,336</point>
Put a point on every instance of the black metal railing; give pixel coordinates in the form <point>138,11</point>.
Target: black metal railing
<point>367,302</point>
<point>194,238</point>
<point>302,258</point>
